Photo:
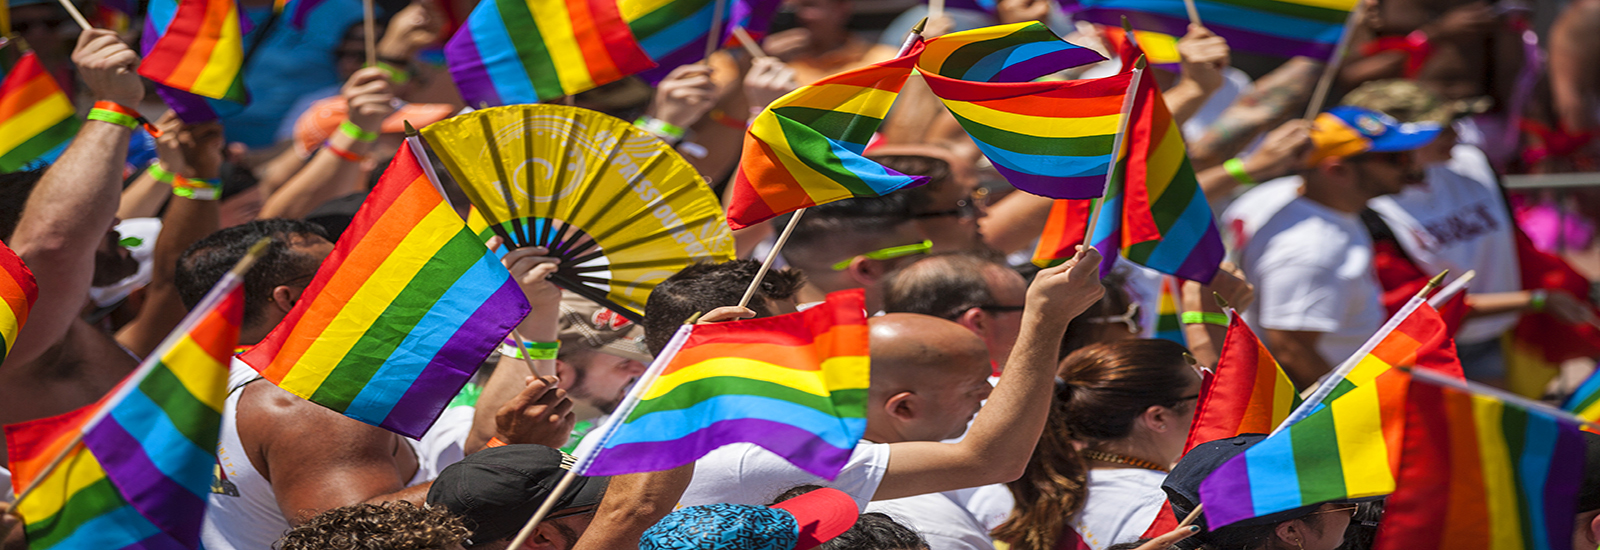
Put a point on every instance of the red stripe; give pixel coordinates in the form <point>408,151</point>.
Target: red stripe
<point>17,285</point>
<point>838,326</point>
<point>22,74</point>
<point>950,89</point>
<point>590,43</point>
<point>620,46</point>
<point>763,187</point>
<point>166,62</point>
<point>806,356</point>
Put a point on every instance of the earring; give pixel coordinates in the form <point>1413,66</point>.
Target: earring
<point>1298,543</point>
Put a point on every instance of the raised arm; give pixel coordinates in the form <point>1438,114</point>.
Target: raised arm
<point>330,174</point>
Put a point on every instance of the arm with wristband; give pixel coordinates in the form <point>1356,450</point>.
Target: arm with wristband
<point>537,336</point>
<point>148,192</point>
<point>1280,154</point>
<point>338,168</point>
<point>1205,325</point>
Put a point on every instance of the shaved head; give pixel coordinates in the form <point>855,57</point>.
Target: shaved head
<point>942,364</point>
<point>913,345</point>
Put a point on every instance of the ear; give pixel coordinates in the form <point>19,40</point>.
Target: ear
<point>975,319</point>
<point>1291,533</point>
<point>1157,419</point>
<point>866,271</point>
<point>1593,531</point>
<point>284,297</point>
<point>903,407</point>
<point>545,537</point>
<point>565,371</point>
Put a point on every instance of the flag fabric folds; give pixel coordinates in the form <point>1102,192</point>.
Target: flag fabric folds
<point>191,108</point>
<point>1536,347</point>
<point>527,51</point>
<point>675,32</point>
<point>18,292</point>
<point>1279,28</point>
<point>200,51</point>
<point>806,148</point>
<point>36,117</point>
<point>400,315</point>
<point>794,384</point>
<point>1047,138</point>
<point>1479,473</point>
<point>1249,393</point>
<point>142,473</point>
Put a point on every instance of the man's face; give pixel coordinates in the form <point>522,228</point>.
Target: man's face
<point>112,262</point>
<point>1379,174</point>
<point>955,401</point>
<point>603,379</point>
<point>1010,292</point>
<point>950,218</point>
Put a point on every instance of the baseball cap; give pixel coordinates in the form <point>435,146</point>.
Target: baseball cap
<point>585,324</point>
<point>1346,131</point>
<point>800,523</point>
<point>1407,101</point>
<point>496,490</point>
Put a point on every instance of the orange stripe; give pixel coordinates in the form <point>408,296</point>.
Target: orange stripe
<point>782,350</point>
<point>1391,388</point>
<point>198,52</point>
<point>593,46</point>
<point>769,178</point>
<point>1466,518</point>
<point>12,293</point>
<point>1397,349</point>
<point>1258,415</point>
<point>33,91</point>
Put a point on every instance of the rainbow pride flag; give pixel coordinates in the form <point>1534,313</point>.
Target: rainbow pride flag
<point>1047,138</point>
<point>1478,473</point>
<point>142,473</point>
<point>674,32</point>
<point>1169,321</point>
<point>193,109</point>
<point>35,116</point>
<point>794,384</point>
<point>1249,393</point>
<point>201,51</point>
<point>503,54</point>
<point>805,148</point>
<point>400,314</point>
<point>18,292</point>
<point>1585,401</point>
<point>1279,28</point>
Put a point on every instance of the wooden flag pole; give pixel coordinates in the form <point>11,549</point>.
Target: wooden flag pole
<point>76,16</point>
<point>749,43</point>
<point>544,508</point>
<point>1189,519</point>
<point>714,38</point>
<point>1194,19</point>
<point>1116,149</point>
<point>1331,69</point>
<point>370,25</point>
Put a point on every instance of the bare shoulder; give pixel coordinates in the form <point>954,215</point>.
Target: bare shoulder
<point>276,426</point>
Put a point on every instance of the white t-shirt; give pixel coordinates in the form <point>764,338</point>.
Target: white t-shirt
<point>1457,220</point>
<point>1312,269</point>
<point>1122,504</point>
<point>941,520</point>
<point>744,473</point>
<point>1254,208</point>
<point>990,504</point>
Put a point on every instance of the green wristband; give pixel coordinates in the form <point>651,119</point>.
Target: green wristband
<point>1235,168</point>
<point>356,133</point>
<point>1204,317</point>
<point>662,129</point>
<point>537,351</point>
<point>1537,299</point>
<point>161,174</point>
<point>119,119</point>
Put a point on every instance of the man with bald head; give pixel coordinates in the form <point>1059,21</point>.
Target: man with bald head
<point>977,292</point>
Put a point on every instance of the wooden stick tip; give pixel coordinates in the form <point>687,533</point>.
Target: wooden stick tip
<point>1221,302</point>
<point>1437,279</point>
<point>693,318</point>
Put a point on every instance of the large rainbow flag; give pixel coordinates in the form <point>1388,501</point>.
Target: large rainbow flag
<point>1479,473</point>
<point>35,116</point>
<point>400,314</point>
<point>1047,138</point>
<point>794,384</point>
<point>142,473</point>
<point>201,51</point>
<point>1249,393</point>
<point>674,32</point>
<point>18,292</point>
<point>1280,28</point>
<point>805,148</point>
<point>503,54</point>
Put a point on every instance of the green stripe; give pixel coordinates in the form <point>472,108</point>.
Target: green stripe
<point>88,503</point>
<point>1316,459</point>
<point>1062,147</point>
<point>664,17</point>
<point>398,319</point>
<point>1174,201</point>
<point>1314,13</point>
<point>43,142</point>
<point>198,423</point>
<point>1343,387</point>
<point>842,126</point>
<point>1514,425</point>
<point>531,48</point>
<point>842,403</point>
<point>962,60</point>
<point>814,150</point>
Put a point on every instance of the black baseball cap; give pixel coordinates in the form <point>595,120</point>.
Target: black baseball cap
<point>496,490</point>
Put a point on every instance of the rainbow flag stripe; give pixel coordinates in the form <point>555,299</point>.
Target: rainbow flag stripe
<point>794,384</point>
<point>1248,394</point>
<point>201,51</point>
<point>142,475</point>
<point>1422,339</point>
<point>1585,401</point>
<point>1047,138</point>
<point>18,292</point>
<point>805,148</point>
<point>400,314</point>
<point>35,116</point>
<point>1279,28</point>
<point>674,32</point>
<point>1478,473</point>
<point>504,55</point>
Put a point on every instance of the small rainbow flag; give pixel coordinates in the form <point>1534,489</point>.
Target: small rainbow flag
<point>18,292</point>
<point>142,473</point>
<point>1248,394</point>
<point>1479,473</point>
<point>1536,347</point>
<point>1585,401</point>
<point>35,116</point>
<point>1047,138</point>
<point>400,314</point>
<point>201,51</point>
<point>503,55</point>
<point>1169,321</point>
<point>805,148</point>
<point>674,32</point>
<point>1279,28</point>
<point>794,384</point>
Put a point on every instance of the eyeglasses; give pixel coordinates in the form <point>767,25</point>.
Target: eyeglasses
<point>965,208</point>
<point>1129,318</point>
<point>997,308</point>
<point>888,254</point>
<point>1348,510</point>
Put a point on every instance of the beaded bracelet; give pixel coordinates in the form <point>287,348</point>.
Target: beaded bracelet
<point>1204,317</point>
<point>1235,168</point>
<point>356,133</point>
<point>341,153</point>
<point>537,351</point>
<point>196,188</point>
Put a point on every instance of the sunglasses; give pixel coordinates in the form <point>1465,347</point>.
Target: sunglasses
<point>1347,510</point>
<point>965,208</point>
<point>1130,318</point>
<point>573,512</point>
<point>888,254</point>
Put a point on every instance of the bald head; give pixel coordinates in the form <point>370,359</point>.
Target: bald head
<point>908,347</point>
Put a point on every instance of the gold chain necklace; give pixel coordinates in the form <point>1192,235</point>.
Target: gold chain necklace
<point>1103,456</point>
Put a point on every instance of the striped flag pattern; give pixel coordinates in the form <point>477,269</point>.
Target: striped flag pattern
<point>527,51</point>
<point>36,117</point>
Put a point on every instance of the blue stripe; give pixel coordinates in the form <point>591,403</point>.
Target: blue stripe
<point>1533,464</point>
<point>1178,241</point>
<point>687,30</point>
<point>985,69</point>
<point>166,447</point>
<point>1259,22</point>
<point>875,175</point>
<point>1047,165</point>
<point>676,424</point>
<point>1588,388</point>
<point>422,343</point>
<point>1273,485</point>
<point>1110,221</point>
<point>499,55</point>
<point>160,14</point>
<point>115,529</point>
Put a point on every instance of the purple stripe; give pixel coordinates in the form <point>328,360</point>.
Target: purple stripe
<point>299,10</point>
<point>1238,39</point>
<point>168,505</point>
<point>441,380</point>
<point>1081,187</point>
<point>1030,69</point>
<point>1201,265</point>
<point>1108,247</point>
<point>193,109</point>
<point>685,55</point>
<point>468,70</point>
<point>158,541</point>
<point>801,447</point>
<point>1561,484</point>
<point>1226,493</point>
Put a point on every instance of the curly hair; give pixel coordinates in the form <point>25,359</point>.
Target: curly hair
<point>396,525</point>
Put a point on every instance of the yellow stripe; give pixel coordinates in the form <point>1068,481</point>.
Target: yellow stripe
<point>1035,126</point>
<point>1341,5</point>
<point>1164,162</point>
<point>200,374</point>
<point>844,98</point>
<point>1282,398</point>
<point>219,72</point>
<point>634,9</point>
<point>555,25</point>
<point>36,118</point>
<point>1363,454</point>
<point>78,470</point>
<point>838,373</point>
<point>820,187</point>
<point>1505,529</point>
<point>9,325</point>
<point>364,307</point>
<point>1367,370</point>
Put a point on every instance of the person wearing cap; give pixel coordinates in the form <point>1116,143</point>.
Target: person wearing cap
<point>800,523</point>
<point>949,207</point>
<point>1312,527</point>
<point>1457,219</point>
<point>1302,244</point>
<point>496,491</point>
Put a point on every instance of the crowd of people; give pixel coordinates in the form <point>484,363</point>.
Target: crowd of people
<point>1010,406</point>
